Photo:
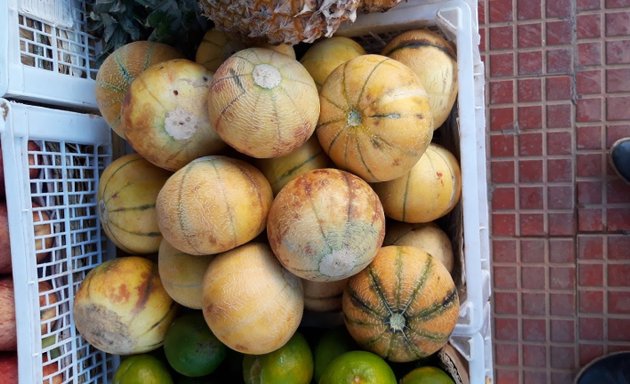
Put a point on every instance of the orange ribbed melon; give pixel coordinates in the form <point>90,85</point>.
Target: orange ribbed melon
<point>434,61</point>
<point>429,191</point>
<point>127,192</point>
<point>250,302</point>
<point>326,225</point>
<point>119,69</point>
<point>280,170</point>
<point>213,204</point>
<point>375,118</point>
<point>325,55</point>
<point>165,114</point>
<point>403,306</point>
<point>122,308</point>
<point>182,274</point>
<point>263,103</point>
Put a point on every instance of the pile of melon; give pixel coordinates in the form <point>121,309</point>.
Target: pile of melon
<point>264,190</point>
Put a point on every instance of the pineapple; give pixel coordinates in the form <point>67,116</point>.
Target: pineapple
<point>368,6</point>
<point>280,21</point>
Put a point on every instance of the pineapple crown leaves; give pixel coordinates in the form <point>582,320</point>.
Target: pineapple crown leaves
<point>178,23</point>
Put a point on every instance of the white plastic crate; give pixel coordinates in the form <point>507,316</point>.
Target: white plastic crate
<point>73,150</point>
<point>46,54</point>
<point>453,19</point>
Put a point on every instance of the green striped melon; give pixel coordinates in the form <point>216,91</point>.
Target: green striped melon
<point>403,306</point>
<point>127,192</point>
<point>182,274</point>
<point>280,170</point>
<point>122,308</point>
<point>430,190</point>
<point>326,225</point>
<point>434,61</point>
<point>213,204</point>
<point>117,72</point>
<point>375,118</point>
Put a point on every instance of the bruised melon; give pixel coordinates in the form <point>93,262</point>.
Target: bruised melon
<point>263,103</point>
<point>117,72</point>
<point>165,114</point>
<point>250,302</point>
<point>403,306</point>
<point>429,191</point>
<point>326,225</point>
<point>127,192</point>
<point>182,274</point>
<point>122,308</point>
<point>375,118</point>
<point>213,204</point>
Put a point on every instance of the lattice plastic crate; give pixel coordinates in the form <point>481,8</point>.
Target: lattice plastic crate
<point>464,135</point>
<point>53,219</point>
<point>46,53</point>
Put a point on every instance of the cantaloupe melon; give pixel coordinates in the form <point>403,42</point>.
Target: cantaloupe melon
<point>428,237</point>
<point>250,302</point>
<point>403,306</point>
<point>8,330</point>
<point>127,193</point>
<point>326,225</point>
<point>434,61</point>
<point>166,117</point>
<point>429,191</point>
<point>213,204</point>
<point>122,308</point>
<point>375,118</point>
<point>280,170</point>
<point>323,296</point>
<point>182,274</point>
<point>327,54</point>
<point>217,46</point>
<point>119,69</point>
<point>263,103</point>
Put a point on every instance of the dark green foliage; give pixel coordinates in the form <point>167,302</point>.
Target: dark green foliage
<point>178,23</point>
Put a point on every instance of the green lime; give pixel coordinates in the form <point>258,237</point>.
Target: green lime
<point>427,375</point>
<point>142,369</point>
<point>291,364</point>
<point>190,346</point>
<point>358,367</point>
<point>333,342</point>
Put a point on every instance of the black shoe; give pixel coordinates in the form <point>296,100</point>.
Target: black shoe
<point>620,158</point>
<point>610,369</point>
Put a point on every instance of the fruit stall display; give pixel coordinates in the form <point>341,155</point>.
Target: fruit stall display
<point>298,197</point>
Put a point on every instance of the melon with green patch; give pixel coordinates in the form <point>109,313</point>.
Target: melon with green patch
<point>122,308</point>
<point>165,114</point>
<point>326,225</point>
<point>127,193</point>
<point>403,306</point>
<point>213,204</point>
<point>117,72</point>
